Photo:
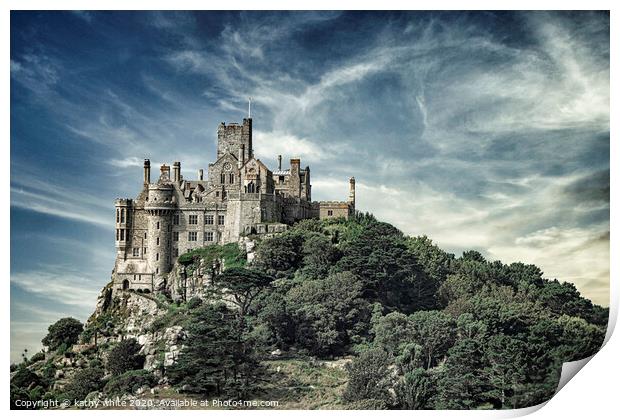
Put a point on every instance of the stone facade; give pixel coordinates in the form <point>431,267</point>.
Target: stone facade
<point>241,196</point>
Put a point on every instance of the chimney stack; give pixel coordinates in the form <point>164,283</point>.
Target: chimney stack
<point>176,171</point>
<point>147,171</point>
<point>279,162</point>
<point>200,174</point>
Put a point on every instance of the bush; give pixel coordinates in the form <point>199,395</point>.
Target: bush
<point>65,331</point>
<point>129,382</point>
<point>125,357</point>
<point>194,302</point>
<point>83,383</point>
<point>37,357</point>
<point>369,377</point>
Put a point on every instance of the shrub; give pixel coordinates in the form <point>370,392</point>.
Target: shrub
<point>129,382</point>
<point>83,383</point>
<point>194,302</point>
<point>125,357</point>
<point>369,377</point>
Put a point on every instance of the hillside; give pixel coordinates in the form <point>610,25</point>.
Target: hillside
<point>331,314</point>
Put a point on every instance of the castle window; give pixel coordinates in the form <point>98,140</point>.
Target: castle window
<point>118,235</point>
<point>330,212</point>
<point>281,179</point>
<point>118,216</point>
<point>157,225</point>
<point>175,219</point>
<point>222,178</point>
<point>144,235</point>
<point>144,251</point>
<point>122,234</point>
<point>157,257</point>
<point>223,195</point>
<point>157,270</point>
<point>139,276</point>
<point>158,241</point>
<point>175,252</point>
<point>122,215</point>
<point>251,187</point>
<point>209,219</point>
<point>136,252</point>
<point>220,219</point>
<point>231,178</point>
<point>175,236</point>
<point>209,236</point>
<point>192,236</point>
<point>217,193</point>
<point>193,219</point>
<point>134,277</point>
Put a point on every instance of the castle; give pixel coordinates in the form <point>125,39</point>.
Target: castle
<point>241,196</point>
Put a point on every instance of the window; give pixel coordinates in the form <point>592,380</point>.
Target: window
<point>251,187</point>
<point>193,219</point>
<point>118,234</point>
<point>144,235</point>
<point>144,251</point>
<point>122,234</point>
<point>209,219</point>
<point>330,212</point>
<point>209,236</point>
<point>175,236</point>
<point>192,236</point>
<point>157,257</point>
<point>117,216</point>
<point>220,219</point>
<point>189,250</point>
<point>157,270</point>
<point>175,252</point>
<point>158,241</point>
<point>281,179</point>
<point>136,252</point>
<point>175,219</point>
<point>222,178</point>
<point>122,215</point>
<point>231,178</point>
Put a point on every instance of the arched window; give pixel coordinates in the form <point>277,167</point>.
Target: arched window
<point>231,178</point>
<point>125,284</point>
<point>222,178</point>
<point>251,187</point>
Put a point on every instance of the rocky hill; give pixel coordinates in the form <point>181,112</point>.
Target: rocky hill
<point>331,314</point>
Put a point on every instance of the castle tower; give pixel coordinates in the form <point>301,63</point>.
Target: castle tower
<point>232,138</point>
<point>122,225</point>
<point>159,207</point>
<point>352,192</point>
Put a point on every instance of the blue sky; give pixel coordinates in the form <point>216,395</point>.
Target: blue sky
<point>485,131</point>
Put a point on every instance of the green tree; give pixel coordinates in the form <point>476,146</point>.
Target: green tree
<point>125,356</point>
<point>319,255</point>
<point>280,256</point>
<point>329,313</point>
<point>416,390</point>
<point>65,331</point>
<point>216,360</point>
<point>369,377</point>
<point>241,286</point>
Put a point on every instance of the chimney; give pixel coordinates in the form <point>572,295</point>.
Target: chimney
<point>352,191</point>
<point>279,162</point>
<point>176,171</point>
<point>200,174</point>
<point>147,171</point>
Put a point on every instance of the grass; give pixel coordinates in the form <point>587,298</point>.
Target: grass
<point>232,255</point>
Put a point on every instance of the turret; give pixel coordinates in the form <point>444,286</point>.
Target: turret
<point>159,206</point>
<point>122,207</point>
<point>352,192</point>
<point>147,171</point>
<point>295,181</point>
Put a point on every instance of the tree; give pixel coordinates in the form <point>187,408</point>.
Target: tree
<point>319,255</point>
<point>216,360</point>
<point>64,331</point>
<point>416,390</point>
<point>279,256</point>
<point>391,331</point>
<point>125,357</point>
<point>241,286</point>
<point>434,332</point>
<point>328,313</point>
<point>369,377</point>
<point>505,370</point>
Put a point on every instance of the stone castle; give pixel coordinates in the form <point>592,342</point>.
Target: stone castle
<point>241,196</point>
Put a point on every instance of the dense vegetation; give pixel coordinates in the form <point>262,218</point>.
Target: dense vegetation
<point>427,330</point>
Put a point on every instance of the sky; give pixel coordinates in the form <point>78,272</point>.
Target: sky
<point>486,131</point>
